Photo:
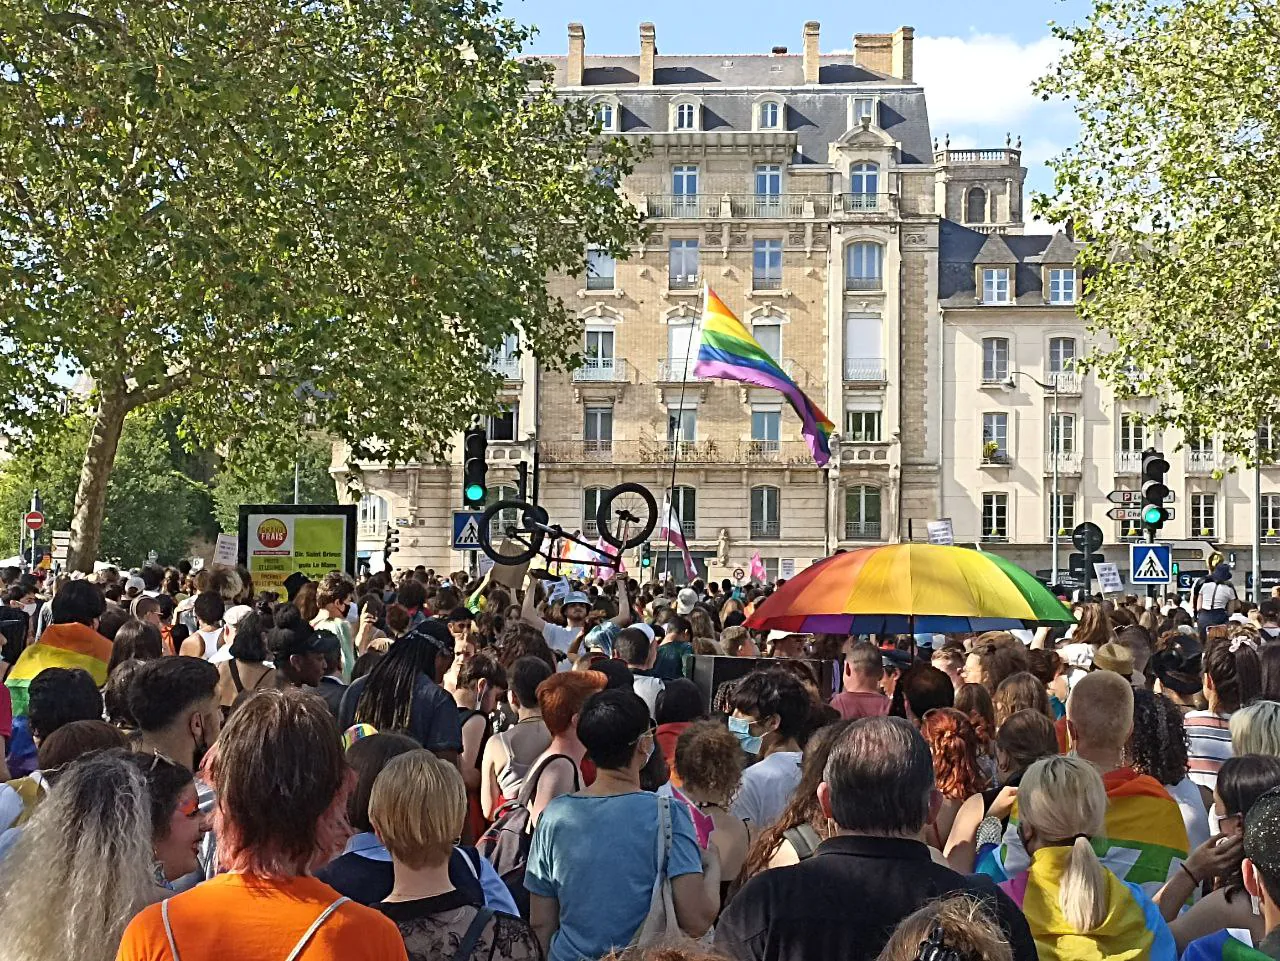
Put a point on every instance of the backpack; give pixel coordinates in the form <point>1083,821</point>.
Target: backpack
<point>506,843</point>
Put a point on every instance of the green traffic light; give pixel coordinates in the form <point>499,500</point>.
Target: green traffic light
<point>645,561</point>
<point>475,493</point>
<point>1152,515</point>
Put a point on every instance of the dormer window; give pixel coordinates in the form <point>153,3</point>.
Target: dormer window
<point>995,285</point>
<point>864,108</point>
<point>686,115</point>
<point>769,115</point>
<point>606,116</point>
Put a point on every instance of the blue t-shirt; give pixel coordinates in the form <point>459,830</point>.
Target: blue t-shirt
<point>598,857</point>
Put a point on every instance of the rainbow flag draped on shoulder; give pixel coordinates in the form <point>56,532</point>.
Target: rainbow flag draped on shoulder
<point>1222,947</point>
<point>729,352</point>
<point>61,645</point>
<point>1146,836</point>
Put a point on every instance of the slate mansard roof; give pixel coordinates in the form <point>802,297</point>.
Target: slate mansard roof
<point>961,251</point>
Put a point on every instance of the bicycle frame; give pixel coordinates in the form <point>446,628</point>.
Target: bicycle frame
<point>555,533</point>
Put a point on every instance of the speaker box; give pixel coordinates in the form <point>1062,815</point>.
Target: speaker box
<point>710,671</point>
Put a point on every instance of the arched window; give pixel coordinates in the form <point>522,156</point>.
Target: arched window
<point>766,513</point>
<point>862,513</point>
<point>373,514</point>
<point>686,117</point>
<point>606,116</point>
<point>864,181</point>
<point>506,518</point>
<point>685,501</point>
<point>975,207</point>
<point>591,498</point>
<point>864,267</point>
<point>770,115</point>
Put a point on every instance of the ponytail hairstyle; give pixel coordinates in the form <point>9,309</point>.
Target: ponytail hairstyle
<point>1062,799</point>
<point>954,747</point>
<point>1232,665</point>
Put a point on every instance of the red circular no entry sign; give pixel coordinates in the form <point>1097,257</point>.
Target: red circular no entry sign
<point>34,520</point>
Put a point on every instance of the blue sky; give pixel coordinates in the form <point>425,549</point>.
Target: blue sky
<point>976,60</point>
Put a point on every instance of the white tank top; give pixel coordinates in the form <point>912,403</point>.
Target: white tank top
<point>210,639</point>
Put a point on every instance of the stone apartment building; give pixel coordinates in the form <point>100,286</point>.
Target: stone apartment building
<point>889,277</point>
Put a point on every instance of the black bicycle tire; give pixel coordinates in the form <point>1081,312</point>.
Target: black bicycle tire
<point>604,515</point>
<point>526,511</point>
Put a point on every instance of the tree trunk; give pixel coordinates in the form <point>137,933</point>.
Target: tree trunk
<point>95,474</point>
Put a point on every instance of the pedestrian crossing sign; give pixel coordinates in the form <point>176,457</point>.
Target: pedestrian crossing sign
<point>466,530</point>
<point>1150,563</point>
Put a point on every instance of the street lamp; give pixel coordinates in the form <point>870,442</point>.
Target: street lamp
<point>1055,442</point>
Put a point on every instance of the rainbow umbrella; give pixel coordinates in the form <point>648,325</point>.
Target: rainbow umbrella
<point>908,588</point>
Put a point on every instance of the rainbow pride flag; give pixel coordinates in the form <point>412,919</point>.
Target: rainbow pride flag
<point>61,645</point>
<point>729,352</point>
<point>1146,836</point>
<point>1131,928</point>
<point>1221,947</point>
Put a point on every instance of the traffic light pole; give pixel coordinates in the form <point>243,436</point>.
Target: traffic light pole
<point>1257,515</point>
<point>1055,510</point>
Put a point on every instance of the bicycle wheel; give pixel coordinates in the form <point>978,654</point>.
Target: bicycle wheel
<point>514,526</point>
<point>627,515</point>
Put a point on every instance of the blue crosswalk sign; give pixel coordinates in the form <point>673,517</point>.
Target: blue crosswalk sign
<point>1150,563</point>
<point>466,530</point>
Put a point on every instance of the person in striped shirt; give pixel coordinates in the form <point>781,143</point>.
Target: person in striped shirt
<point>1232,678</point>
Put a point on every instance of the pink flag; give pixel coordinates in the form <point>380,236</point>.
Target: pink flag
<point>606,549</point>
<point>671,530</point>
<point>757,568</point>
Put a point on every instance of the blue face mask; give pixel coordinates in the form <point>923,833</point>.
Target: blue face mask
<point>741,729</point>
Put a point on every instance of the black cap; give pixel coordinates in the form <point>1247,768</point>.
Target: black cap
<point>286,643</point>
<point>294,583</point>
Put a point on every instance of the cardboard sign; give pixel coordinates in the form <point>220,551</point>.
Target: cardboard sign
<point>225,550</point>
<point>1109,578</point>
<point>942,532</point>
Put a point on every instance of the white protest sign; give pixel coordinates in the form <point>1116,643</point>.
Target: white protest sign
<point>942,532</point>
<point>1109,578</point>
<point>787,568</point>
<point>226,550</point>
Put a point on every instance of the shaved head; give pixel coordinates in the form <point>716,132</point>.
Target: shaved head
<point>1100,710</point>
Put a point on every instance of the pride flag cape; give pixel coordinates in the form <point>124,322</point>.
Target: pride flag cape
<point>729,352</point>
<point>61,645</point>
<point>1146,836</point>
<point>1131,928</point>
<point>1221,947</point>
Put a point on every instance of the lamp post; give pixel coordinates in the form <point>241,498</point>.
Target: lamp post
<point>1055,444</point>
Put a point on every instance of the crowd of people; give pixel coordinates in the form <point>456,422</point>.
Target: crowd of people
<point>430,766</point>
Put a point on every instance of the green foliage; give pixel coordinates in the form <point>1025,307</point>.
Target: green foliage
<point>1174,187</point>
<point>275,209</point>
<point>247,475</point>
<point>151,503</point>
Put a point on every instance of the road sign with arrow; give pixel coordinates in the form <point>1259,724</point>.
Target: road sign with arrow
<point>1133,513</point>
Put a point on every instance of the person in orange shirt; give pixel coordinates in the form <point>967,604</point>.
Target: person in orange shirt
<point>282,787</point>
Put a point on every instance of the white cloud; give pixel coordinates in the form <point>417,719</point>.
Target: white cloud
<point>982,80</point>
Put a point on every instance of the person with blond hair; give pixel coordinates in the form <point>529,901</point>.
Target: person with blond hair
<point>417,808</point>
<point>282,785</point>
<point>1256,729</point>
<point>1145,838</point>
<point>82,866</point>
<point>1074,906</point>
<point>959,924</point>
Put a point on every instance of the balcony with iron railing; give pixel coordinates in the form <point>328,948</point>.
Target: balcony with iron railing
<point>602,370</point>
<point>1069,461</point>
<point>766,528</point>
<point>864,370</point>
<point>682,206</point>
<point>677,370</point>
<point>855,284</point>
<point>857,203</point>
<point>600,281</point>
<point>1067,381</point>
<point>995,456</point>
<point>507,367</point>
<point>1129,462</point>
<point>762,451</point>
<point>995,535</point>
<point>757,206</point>
<point>1271,535</point>
<point>652,450</point>
<point>856,530</point>
<point>684,281</point>
<point>1204,460</point>
<point>765,282</point>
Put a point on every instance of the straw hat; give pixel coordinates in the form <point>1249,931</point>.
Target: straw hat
<point>1113,657</point>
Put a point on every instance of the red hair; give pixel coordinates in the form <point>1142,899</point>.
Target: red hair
<point>561,696</point>
<point>954,745</point>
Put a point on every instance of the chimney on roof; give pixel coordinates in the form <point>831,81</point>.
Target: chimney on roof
<point>903,56</point>
<point>577,53</point>
<point>648,52</point>
<point>778,51</point>
<point>811,51</point>
<point>888,53</point>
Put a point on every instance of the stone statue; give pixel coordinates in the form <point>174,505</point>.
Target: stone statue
<point>722,548</point>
